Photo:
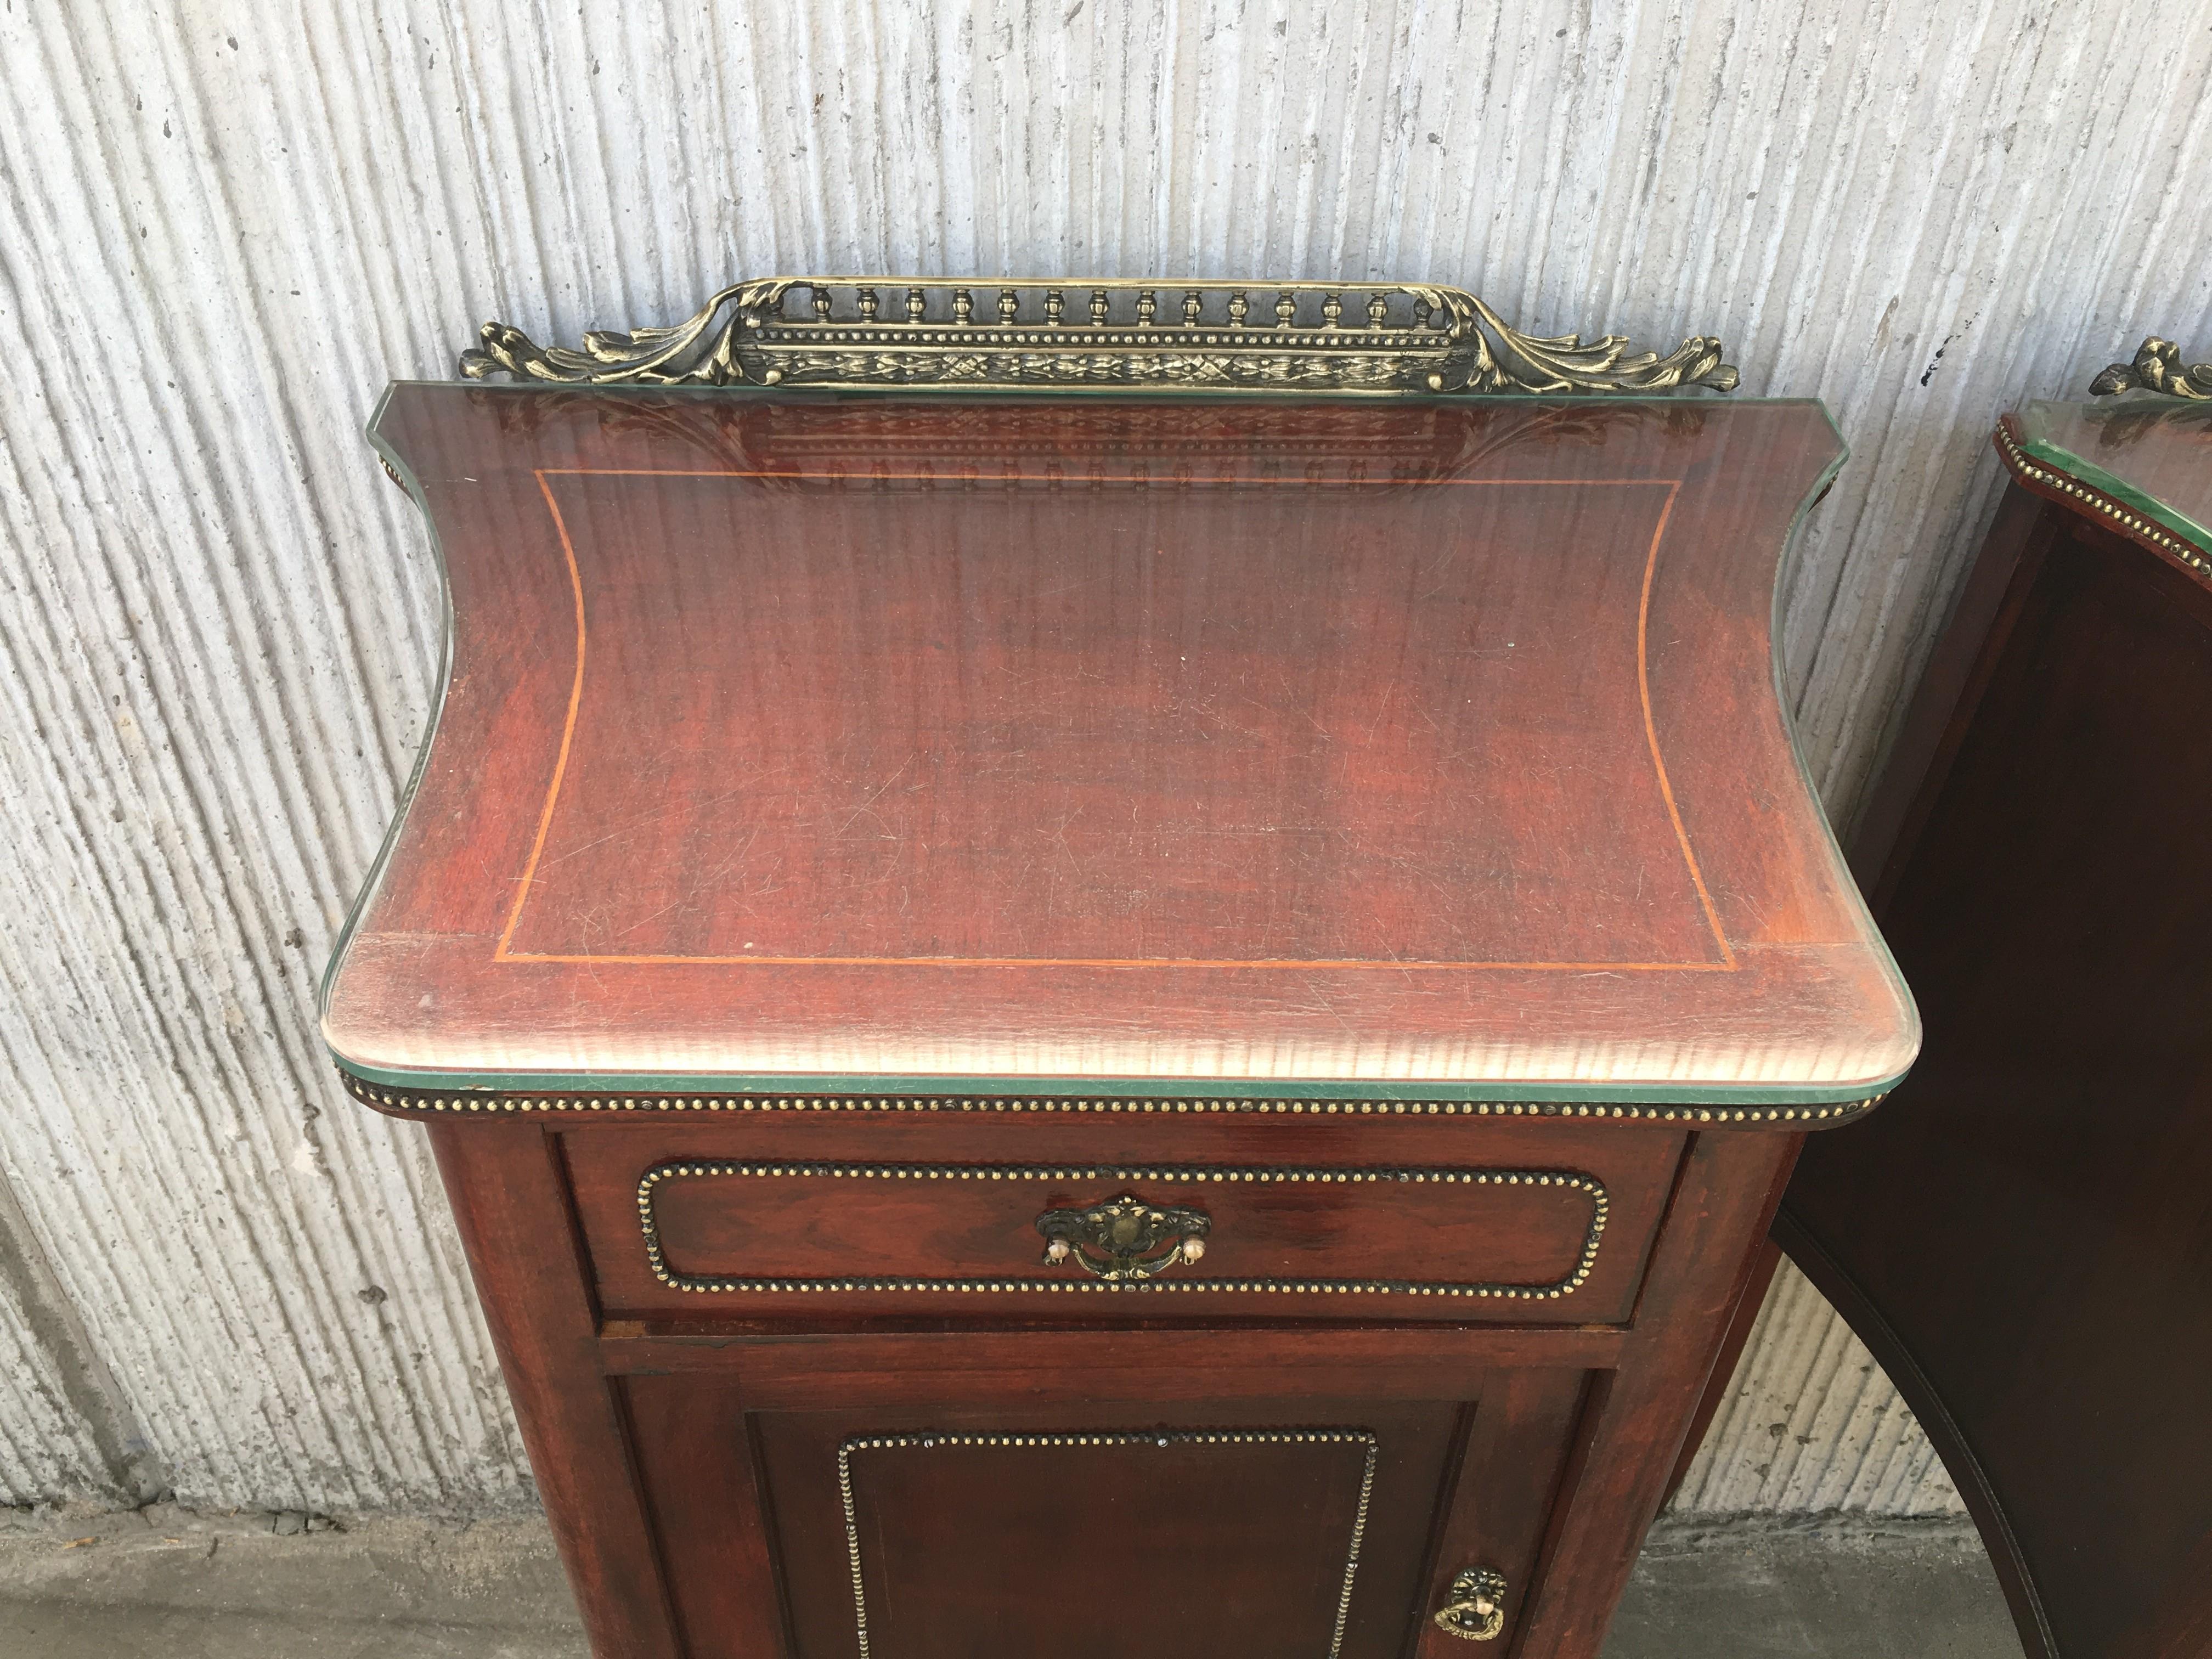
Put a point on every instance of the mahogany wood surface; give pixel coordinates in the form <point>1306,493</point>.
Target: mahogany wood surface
<point>1640,1414</point>
<point>2021,1235</point>
<point>1757,1280</point>
<point>797,1363</point>
<point>857,825</point>
<point>1541,1453</point>
<point>1501,1498</point>
<point>1537,1457</point>
<point>797,738</point>
<point>1227,1547</point>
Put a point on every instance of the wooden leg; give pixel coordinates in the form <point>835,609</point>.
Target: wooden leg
<point>1758,1280</point>
<point>505,1184</point>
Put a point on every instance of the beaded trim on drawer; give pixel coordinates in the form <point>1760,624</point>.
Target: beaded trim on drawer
<point>432,1102</point>
<point>1588,1186</point>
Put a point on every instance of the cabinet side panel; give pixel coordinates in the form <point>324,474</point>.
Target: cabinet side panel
<point>510,1202</point>
<point>1634,1428</point>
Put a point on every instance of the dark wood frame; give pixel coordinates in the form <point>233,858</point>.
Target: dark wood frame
<point>692,1379</point>
<point>571,1364</point>
<point>1941,1335</point>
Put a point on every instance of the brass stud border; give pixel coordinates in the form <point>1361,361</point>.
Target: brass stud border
<point>491,1102</point>
<point>930,1440</point>
<point>1190,1175</point>
<point>2052,483</point>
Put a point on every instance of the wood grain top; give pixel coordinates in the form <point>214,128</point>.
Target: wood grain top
<point>798,742</point>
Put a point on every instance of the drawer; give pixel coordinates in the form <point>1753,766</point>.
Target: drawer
<point>1535,1226</point>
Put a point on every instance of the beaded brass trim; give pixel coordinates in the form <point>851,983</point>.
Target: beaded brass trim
<point>1401,341</point>
<point>492,1102</point>
<point>1162,1437</point>
<point>2058,483</point>
<point>1585,1261</point>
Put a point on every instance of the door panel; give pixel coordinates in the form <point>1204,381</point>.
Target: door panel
<point>1295,1527</point>
<point>1090,1545</point>
<point>1504,1485</point>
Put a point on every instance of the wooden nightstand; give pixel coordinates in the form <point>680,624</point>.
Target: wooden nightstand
<point>1109,1024</point>
<point>2022,1241</point>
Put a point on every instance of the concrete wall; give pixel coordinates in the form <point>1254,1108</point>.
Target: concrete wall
<point>223,226</point>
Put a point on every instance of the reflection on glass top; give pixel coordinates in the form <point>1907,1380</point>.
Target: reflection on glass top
<point>1303,744</point>
<point>2154,453</point>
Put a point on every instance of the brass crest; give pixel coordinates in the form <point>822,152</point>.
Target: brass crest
<point>848,333</point>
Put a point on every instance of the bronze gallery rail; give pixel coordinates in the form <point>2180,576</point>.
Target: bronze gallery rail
<point>1151,335</point>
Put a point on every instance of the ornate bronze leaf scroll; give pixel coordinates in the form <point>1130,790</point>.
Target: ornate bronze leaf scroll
<point>847,333</point>
<point>2157,367</point>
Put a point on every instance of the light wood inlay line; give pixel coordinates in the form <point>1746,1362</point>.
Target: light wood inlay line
<point>504,952</point>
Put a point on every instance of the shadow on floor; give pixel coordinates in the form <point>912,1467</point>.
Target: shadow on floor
<point>165,1583</point>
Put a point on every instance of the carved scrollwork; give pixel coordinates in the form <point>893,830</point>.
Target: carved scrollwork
<point>1524,363</point>
<point>2157,367</point>
<point>1207,336</point>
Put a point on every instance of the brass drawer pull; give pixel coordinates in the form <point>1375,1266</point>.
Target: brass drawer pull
<point>1476,1610</point>
<point>1125,1237</point>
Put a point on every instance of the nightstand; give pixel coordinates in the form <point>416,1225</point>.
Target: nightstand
<point>2022,1239</point>
<point>1108,1023</point>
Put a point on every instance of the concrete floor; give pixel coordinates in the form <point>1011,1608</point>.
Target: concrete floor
<point>165,1583</point>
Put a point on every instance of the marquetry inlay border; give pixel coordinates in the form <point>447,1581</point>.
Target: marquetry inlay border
<point>450,1102</point>
<point>929,1440</point>
<point>1180,1175</point>
<point>1721,956</point>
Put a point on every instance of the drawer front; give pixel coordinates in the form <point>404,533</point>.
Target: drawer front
<point>1535,1236</point>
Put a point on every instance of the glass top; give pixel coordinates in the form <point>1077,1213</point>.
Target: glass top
<point>1211,747</point>
<point>2154,453</point>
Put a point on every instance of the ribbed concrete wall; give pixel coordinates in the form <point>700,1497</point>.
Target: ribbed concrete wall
<point>223,226</point>
<point>1811,1424</point>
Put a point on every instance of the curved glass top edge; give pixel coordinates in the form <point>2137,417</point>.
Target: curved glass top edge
<point>1715,1094</point>
<point>2087,472</point>
<point>1694,397</point>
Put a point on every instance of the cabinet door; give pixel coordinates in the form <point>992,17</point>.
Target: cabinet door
<point>979,1523</point>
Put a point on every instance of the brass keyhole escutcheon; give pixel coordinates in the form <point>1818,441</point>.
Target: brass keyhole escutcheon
<point>1476,1608</point>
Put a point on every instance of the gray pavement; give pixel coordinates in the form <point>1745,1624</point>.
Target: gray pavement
<point>1814,1590</point>
<point>166,1583</point>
